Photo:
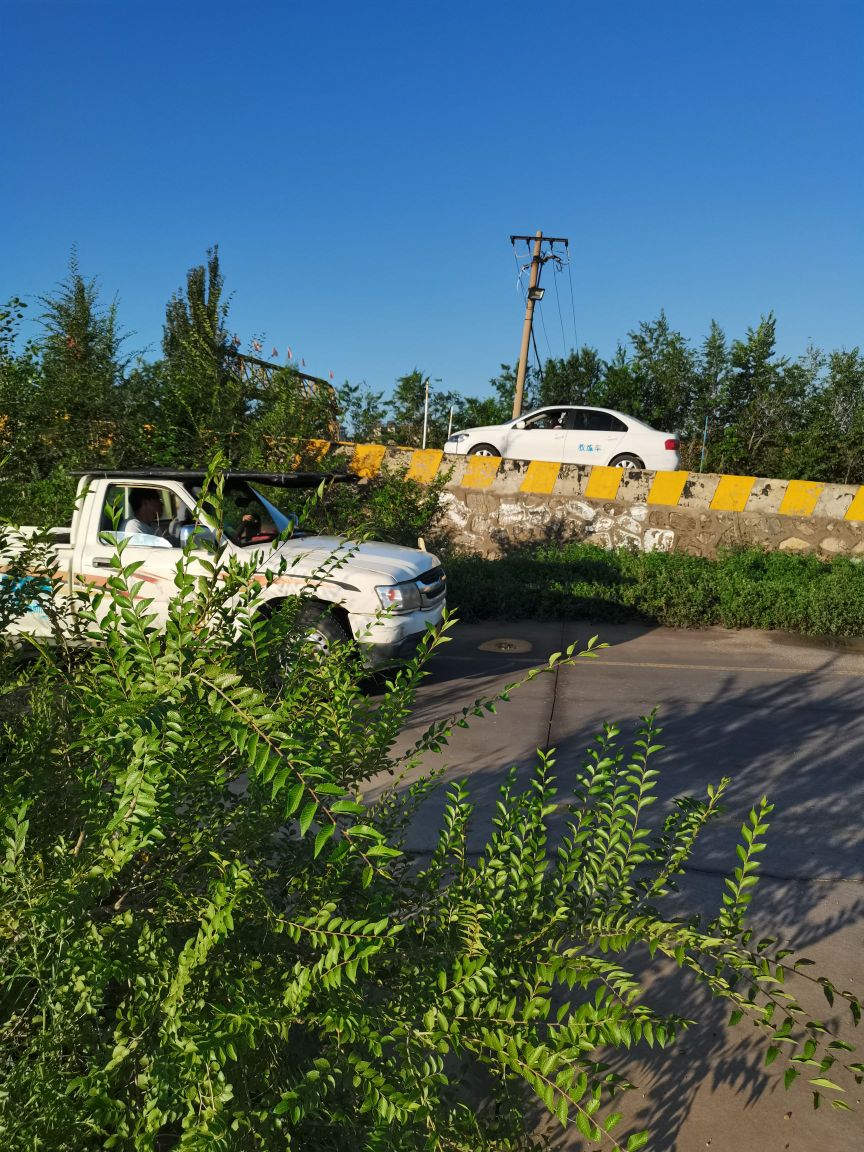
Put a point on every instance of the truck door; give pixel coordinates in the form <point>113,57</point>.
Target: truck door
<point>146,516</point>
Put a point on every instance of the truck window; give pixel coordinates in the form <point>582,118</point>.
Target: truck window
<point>145,514</point>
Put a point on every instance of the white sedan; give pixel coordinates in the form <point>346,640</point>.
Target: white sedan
<point>571,434</point>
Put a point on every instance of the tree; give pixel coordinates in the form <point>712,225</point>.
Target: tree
<point>363,412</point>
<point>710,382</point>
<point>832,445</point>
<point>663,371</point>
<point>576,380</point>
<point>204,402</point>
<point>762,404</point>
<point>82,370</point>
<point>619,388</point>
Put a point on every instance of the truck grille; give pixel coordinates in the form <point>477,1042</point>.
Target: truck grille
<point>433,586</point>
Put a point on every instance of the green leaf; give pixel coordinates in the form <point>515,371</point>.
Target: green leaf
<point>307,816</point>
<point>821,1082</point>
<point>322,838</point>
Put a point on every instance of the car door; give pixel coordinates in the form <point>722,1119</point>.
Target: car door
<point>541,437</point>
<point>594,436</point>
<point>157,553</point>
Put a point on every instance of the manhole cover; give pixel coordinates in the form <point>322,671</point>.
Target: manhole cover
<point>507,645</point>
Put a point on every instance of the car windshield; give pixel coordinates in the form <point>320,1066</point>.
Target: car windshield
<point>248,517</point>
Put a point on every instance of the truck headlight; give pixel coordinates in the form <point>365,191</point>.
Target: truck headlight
<point>400,597</point>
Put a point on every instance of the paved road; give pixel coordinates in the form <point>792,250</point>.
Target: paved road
<point>779,717</point>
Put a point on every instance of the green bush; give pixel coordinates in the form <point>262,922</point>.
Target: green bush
<point>208,940</point>
<point>741,589</point>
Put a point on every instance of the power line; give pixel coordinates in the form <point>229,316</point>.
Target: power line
<point>560,317</point>
<point>572,299</point>
<point>545,333</point>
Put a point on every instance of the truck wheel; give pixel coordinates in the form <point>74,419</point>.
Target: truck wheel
<point>321,629</point>
<point>483,450</point>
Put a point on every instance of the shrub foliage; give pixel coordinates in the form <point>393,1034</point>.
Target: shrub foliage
<point>745,588</point>
<point>208,939</point>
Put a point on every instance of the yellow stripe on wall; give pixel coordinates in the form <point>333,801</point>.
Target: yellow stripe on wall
<point>855,511</point>
<point>317,448</point>
<point>424,465</point>
<point>603,483</point>
<point>366,460</point>
<point>667,487</point>
<point>732,493</point>
<point>540,476</point>
<point>480,471</point>
<point>800,498</point>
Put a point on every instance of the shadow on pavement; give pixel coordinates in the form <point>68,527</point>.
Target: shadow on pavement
<point>795,734</point>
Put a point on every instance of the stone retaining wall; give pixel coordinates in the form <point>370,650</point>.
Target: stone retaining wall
<point>490,504</point>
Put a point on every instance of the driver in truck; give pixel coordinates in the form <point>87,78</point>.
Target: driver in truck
<point>146,504</point>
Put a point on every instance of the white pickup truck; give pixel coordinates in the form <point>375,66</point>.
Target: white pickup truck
<point>384,596</point>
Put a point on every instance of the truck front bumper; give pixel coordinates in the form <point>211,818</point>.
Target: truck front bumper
<point>394,639</point>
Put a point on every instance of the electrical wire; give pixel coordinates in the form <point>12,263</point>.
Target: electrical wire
<point>572,299</point>
<point>558,302</point>
<point>537,355</point>
<point>545,333</point>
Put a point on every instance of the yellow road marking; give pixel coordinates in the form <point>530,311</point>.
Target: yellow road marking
<point>480,471</point>
<point>424,465</point>
<point>732,493</point>
<point>540,476</point>
<point>667,487</point>
<point>855,511</point>
<point>800,498</point>
<point>603,483</point>
<point>366,460</point>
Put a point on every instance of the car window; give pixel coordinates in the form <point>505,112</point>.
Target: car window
<point>551,418</point>
<point>589,420</point>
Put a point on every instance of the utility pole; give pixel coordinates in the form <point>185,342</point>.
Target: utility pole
<point>535,293</point>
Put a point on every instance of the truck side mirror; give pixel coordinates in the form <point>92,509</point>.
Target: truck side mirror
<point>197,536</point>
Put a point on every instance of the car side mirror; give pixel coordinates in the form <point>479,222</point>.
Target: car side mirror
<point>519,424</point>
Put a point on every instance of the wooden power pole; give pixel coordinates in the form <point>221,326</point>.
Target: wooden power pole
<point>535,293</point>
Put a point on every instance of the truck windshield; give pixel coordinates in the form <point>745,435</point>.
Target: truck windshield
<point>249,518</point>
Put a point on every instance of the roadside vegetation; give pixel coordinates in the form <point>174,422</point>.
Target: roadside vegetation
<point>747,588</point>
<point>78,394</point>
<point>209,939</point>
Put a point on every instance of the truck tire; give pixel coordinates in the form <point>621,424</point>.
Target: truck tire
<point>321,629</point>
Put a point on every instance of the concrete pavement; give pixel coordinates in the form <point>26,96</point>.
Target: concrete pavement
<point>780,716</point>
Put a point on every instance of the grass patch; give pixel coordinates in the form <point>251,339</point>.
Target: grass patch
<point>745,588</point>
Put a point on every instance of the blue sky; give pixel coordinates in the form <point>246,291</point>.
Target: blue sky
<point>362,166</point>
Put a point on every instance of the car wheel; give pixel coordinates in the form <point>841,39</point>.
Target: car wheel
<point>628,461</point>
<point>483,450</point>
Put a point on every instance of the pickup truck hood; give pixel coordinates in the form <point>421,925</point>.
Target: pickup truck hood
<point>392,563</point>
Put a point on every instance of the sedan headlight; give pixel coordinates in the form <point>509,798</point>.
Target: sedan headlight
<point>400,597</point>
<point>457,437</point>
